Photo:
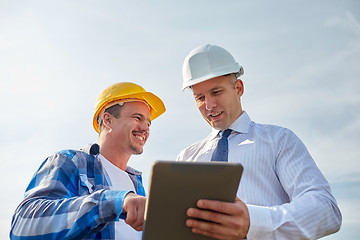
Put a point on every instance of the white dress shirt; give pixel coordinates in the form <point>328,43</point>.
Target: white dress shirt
<point>286,194</point>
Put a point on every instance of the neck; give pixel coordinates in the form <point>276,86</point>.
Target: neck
<point>115,156</point>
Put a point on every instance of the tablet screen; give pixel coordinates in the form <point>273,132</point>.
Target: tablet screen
<point>176,186</point>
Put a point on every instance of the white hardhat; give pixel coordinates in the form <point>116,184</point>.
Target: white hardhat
<point>206,62</point>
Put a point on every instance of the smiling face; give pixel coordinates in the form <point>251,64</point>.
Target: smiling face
<point>129,132</point>
<point>218,100</point>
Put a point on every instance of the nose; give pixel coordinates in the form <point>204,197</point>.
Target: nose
<point>145,127</point>
<point>210,103</point>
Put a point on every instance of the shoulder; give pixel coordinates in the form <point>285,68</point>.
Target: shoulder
<point>271,129</point>
<point>87,152</point>
<point>72,155</point>
<point>275,135</point>
<point>193,149</point>
<point>69,158</point>
<point>244,124</point>
<point>194,146</point>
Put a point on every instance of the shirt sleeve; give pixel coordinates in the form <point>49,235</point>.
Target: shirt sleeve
<point>54,209</point>
<point>312,211</point>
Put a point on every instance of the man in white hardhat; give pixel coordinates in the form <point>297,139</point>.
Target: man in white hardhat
<point>283,194</point>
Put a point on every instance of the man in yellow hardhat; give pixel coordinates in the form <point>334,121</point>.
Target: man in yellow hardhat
<point>93,193</point>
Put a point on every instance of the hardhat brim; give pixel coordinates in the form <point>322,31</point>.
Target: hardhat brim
<point>191,82</point>
<point>157,106</point>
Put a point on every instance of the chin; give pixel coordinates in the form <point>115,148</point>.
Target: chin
<point>136,150</point>
<point>218,126</point>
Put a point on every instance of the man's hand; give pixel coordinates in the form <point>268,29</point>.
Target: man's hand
<point>223,220</point>
<point>134,206</point>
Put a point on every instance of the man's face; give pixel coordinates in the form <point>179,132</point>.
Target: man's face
<point>218,100</point>
<point>130,130</point>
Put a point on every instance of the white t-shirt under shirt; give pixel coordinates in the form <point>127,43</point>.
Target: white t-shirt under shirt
<point>120,180</point>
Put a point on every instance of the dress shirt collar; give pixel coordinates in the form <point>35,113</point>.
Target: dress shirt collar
<point>240,125</point>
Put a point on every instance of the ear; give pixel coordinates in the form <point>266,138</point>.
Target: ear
<point>107,120</point>
<point>239,86</point>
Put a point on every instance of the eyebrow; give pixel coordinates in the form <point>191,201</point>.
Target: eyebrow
<point>142,117</point>
<point>211,90</point>
<point>216,89</point>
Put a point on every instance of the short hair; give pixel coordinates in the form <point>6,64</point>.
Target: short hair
<point>114,110</point>
<point>233,78</point>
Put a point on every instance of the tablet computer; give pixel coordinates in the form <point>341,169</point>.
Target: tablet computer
<point>176,186</point>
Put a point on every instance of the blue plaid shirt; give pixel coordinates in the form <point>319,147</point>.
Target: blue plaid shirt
<point>69,198</point>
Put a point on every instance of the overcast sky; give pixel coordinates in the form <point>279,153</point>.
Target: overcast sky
<point>301,60</point>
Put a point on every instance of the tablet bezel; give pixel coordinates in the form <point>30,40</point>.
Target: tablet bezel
<point>176,186</point>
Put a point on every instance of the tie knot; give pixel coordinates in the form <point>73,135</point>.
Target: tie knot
<point>226,133</point>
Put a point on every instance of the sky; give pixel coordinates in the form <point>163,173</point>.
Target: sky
<point>301,60</point>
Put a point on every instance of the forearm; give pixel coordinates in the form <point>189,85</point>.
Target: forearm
<point>309,217</point>
<point>74,217</point>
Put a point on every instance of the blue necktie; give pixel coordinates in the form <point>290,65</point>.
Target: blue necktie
<point>221,151</point>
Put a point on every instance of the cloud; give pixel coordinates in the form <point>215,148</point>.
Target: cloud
<point>347,21</point>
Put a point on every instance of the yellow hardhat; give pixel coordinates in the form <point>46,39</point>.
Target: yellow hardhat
<point>127,91</point>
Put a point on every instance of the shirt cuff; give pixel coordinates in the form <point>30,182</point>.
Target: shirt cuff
<point>260,222</point>
<point>119,202</point>
<point>111,205</point>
